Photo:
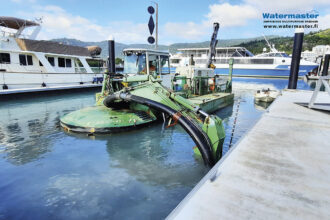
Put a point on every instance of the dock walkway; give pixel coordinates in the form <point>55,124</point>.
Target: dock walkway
<point>279,170</point>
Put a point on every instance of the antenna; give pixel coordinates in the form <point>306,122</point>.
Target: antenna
<point>271,47</point>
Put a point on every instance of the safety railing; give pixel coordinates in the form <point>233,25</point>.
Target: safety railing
<point>98,70</point>
<point>323,80</point>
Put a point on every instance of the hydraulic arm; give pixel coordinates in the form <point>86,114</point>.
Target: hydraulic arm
<point>206,130</point>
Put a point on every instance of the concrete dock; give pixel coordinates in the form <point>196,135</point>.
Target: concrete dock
<point>279,170</point>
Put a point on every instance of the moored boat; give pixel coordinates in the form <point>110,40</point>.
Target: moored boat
<point>26,63</point>
<point>273,63</point>
<point>266,95</point>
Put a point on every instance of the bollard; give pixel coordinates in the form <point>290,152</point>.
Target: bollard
<point>326,65</point>
<point>112,65</point>
<point>229,82</point>
<point>191,61</point>
<point>295,61</point>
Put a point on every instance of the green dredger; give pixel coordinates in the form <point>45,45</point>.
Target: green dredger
<point>135,99</point>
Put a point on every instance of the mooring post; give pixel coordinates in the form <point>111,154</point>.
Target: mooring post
<point>295,61</point>
<point>229,83</point>
<point>191,61</point>
<point>112,64</point>
<point>326,65</point>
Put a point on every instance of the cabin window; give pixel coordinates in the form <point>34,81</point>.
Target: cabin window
<point>40,64</point>
<point>164,64</point>
<point>68,63</point>
<point>135,63</point>
<point>262,61</point>
<point>29,60</point>
<point>22,60</point>
<point>4,58</point>
<point>51,60</point>
<point>61,62</point>
<point>25,60</point>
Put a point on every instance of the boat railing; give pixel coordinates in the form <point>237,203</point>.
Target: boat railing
<point>80,70</point>
<point>201,85</point>
<point>98,70</point>
<point>6,34</point>
<point>17,67</point>
<point>239,60</point>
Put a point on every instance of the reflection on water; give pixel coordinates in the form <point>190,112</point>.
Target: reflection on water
<point>26,124</point>
<point>48,174</point>
<point>261,105</point>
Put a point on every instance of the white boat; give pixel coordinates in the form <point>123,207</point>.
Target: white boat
<point>26,63</point>
<point>266,95</point>
<point>245,63</point>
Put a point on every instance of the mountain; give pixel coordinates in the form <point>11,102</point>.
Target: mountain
<point>119,47</point>
<point>172,48</point>
<point>255,45</point>
<point>311,40</point>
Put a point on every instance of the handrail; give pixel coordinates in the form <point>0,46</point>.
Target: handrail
<point>28,68</point>
<point>322,80</point>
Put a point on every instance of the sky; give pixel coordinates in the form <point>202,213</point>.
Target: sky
<point>180,21</point>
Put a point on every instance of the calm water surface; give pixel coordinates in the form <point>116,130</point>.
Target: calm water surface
<point>46,173</point>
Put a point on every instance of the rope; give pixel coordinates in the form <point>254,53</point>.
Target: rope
<point>234,123</point>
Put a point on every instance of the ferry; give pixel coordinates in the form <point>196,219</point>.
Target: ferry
<point>26,63</point>
<point>273,63</point>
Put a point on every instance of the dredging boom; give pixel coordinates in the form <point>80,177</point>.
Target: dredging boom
<point>213,44</point>
<point>206,130</point>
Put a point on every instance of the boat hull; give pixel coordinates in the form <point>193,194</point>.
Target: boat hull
<point>282,70</point>
<point>35,80</point>
<point>261,70</point>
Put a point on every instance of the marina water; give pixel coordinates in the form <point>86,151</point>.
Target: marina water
<point>143,174</point>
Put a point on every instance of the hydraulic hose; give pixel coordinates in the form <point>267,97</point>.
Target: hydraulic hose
<point>196,133</point>
<point>109,100</point>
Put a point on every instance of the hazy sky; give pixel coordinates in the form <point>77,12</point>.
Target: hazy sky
<point>179,20</point>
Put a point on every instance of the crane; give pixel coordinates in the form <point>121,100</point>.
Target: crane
<point>213,45</point>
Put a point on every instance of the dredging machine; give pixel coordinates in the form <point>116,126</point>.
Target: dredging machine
<point>201,85</point>
<point>137,98</point>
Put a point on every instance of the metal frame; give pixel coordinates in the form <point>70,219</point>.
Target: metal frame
<point>322,80</point>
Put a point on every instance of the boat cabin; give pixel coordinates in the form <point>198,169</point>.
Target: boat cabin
<point>21,53</point>
<point>145,62</point>
<point>219,52</point>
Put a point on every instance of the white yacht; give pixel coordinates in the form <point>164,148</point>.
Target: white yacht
<point>26,63</point>
<point>245,63</point>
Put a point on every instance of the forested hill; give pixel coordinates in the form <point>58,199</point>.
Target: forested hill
<point>172,48</point>
<point>255,45</point>
<point>286,43</point>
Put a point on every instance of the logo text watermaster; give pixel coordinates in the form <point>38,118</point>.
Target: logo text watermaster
<point>289,16</point>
